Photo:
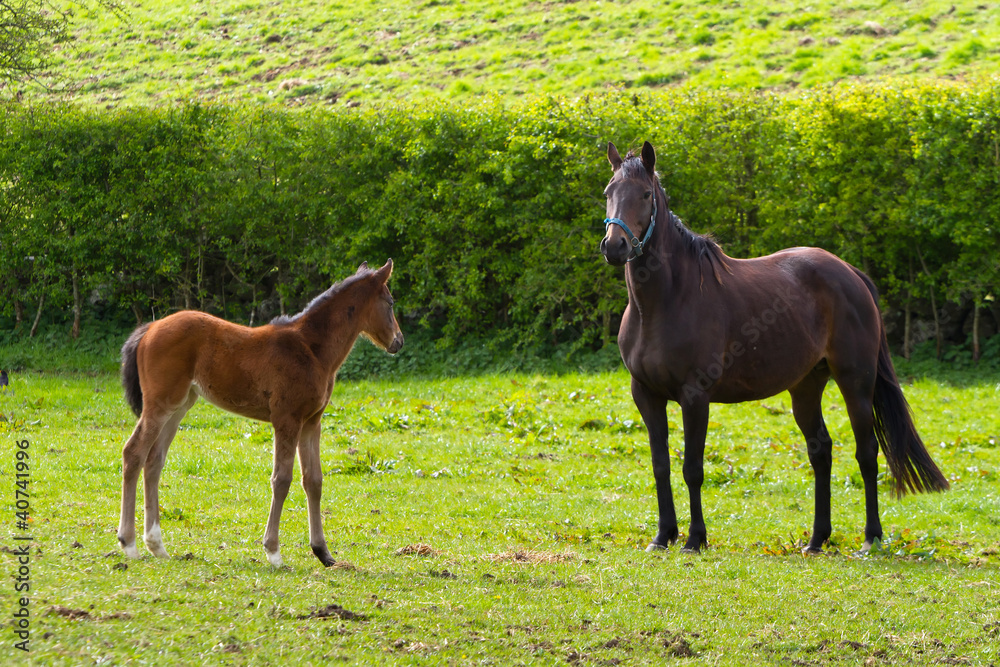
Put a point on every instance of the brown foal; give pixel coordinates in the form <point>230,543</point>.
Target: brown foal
<point>282,372</point>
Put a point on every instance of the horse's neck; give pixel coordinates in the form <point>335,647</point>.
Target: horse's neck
<point>331,330</point>
<point>661,270</point>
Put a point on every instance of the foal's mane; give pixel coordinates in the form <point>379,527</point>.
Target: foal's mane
<point>698,246</point>
<point>323,299</point>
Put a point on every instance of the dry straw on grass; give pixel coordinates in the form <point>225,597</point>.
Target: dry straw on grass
<point>418,549</point>
<point>529,556</point>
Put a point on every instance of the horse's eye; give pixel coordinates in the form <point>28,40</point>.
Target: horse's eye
<point>645,195</point>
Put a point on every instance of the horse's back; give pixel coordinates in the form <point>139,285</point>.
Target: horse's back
<point>774,319</point>
<point>833,298</point>
<point>217,359</point>
<point>811,273</point>
<point>184,338</point>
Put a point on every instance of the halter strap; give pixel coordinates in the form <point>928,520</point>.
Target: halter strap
<point>637,245</point>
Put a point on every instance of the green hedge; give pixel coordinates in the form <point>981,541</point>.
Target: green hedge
<point>492,213</point>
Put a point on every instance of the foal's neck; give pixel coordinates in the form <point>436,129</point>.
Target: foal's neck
<point>331,329</point>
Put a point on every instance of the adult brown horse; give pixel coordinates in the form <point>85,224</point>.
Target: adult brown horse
<point>701,327</point>
<point>282,372</point>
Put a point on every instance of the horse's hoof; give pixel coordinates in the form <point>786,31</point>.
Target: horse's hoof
<point>690,550</point>
<point>866,547</point>
<point>131,551</point>
<point>274,558</point>
<point>813,551</point>
<point>324,556</point>
<point>654,547</point>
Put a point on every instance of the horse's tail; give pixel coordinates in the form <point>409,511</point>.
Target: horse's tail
<point>130,370</point>
<point>910,463</point>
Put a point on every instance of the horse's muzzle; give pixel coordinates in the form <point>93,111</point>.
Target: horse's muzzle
<point>615,250</point>
<point>396,344</point>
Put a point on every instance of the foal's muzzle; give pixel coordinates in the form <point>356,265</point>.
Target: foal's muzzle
<point>396,344</point>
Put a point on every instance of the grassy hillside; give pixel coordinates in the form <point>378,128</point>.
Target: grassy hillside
<point>313,52</point>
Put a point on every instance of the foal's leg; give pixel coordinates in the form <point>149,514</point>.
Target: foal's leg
<point>858,390</point>
<point>286,435</point>
<point>807,399</point>
<point>312,482</point>
<point>654,413</point>
<point>695,417</point>
<point>134,455</point>
<point>151,478</point>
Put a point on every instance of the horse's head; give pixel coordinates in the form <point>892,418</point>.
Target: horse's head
<point>631,197</point>
<point>379,322</point>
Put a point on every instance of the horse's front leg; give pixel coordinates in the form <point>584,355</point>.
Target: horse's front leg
<point>653,409</point>
<point>312,482</point>
<point>695,416</point>
<point>286,435</point>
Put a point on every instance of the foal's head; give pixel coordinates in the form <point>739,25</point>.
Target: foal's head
<point>378,322</point>
<point>631,197</point>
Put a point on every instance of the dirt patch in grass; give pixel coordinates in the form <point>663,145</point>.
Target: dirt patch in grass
<point>418,549</point>
<point>334,611</point>
<point>344,565</point>
<point>84,615</point>
<point>529,556</point>
<point>72,614</point>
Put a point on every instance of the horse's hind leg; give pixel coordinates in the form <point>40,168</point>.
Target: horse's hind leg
<point>807,397</point>
<point>134,455</point>
<point>151,471</point>
<point>312,482</point>
<point>286,436</point>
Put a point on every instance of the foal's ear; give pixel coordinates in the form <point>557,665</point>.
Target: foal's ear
<point>648,157</point>
<point>613,157</point>
<point>362,267</point>
<point>385,272</point>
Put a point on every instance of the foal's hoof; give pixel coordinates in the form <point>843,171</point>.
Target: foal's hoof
<point>813,551</point>
<point>324,556</point>
<point>690,550</point>
<point>274,558</point>
<point>130,551</point>
<point>654,547</point>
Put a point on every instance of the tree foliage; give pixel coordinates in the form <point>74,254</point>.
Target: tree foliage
<point>492,213</point>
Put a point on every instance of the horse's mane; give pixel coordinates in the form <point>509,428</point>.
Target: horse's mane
<point>700,247</point>
<point>322,299</point>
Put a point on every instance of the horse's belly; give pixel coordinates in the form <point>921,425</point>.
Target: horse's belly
<point>730,374</point>
<point>249,408</point>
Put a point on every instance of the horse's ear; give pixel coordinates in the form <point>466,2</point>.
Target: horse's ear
<point>613,157</point>
<point>385,272</point>
<point>648,157</point>
<point>362,267</point>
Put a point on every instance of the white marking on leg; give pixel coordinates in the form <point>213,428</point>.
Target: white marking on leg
<point>154,542</point>
<point>130,550</point>
<point>274,557</point>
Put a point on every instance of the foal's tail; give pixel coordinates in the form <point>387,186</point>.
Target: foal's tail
<point>130,370</point>
<point>911,465</point>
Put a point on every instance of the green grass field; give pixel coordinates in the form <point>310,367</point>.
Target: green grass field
<point>501,520</point>
<point>496,519</point>
<point>311,52</point>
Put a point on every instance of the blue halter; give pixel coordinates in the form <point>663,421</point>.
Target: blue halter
<point>634,241</point>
